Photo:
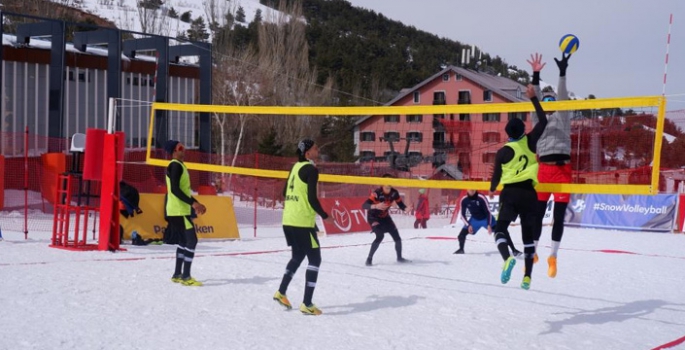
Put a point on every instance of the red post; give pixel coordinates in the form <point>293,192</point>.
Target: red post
<point>26,183</point>
<point>256,165</point>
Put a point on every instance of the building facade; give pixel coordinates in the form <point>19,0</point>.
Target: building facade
<point>25,82</point>
<point>466,143</point>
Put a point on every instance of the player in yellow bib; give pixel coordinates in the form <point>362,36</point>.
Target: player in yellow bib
<point>516,168</point>
<point>299,225</point>
<point>180,210</point>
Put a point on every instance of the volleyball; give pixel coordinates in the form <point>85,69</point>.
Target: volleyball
<point>569,43</point>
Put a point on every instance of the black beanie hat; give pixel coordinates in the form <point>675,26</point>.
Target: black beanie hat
<point>304,145</point>
<point>170,146</point>
<point>515,128</point>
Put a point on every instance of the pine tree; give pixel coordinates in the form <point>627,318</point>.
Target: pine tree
<point>198,30</point>
<point>269,145</point>
<point>151,4</point>
<point>186,17</point>
<point>257,16</point>
<point>240,15</point>
<point>172,13</point>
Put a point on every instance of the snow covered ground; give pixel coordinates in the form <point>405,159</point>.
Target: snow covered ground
<point>615,290</point>
<point>125,13</point>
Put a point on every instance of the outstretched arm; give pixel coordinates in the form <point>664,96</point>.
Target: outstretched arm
<point>562,91</point>
<point>539,128</point>
<point>536,65</point>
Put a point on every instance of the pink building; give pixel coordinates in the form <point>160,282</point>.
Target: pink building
<point>462,146</point>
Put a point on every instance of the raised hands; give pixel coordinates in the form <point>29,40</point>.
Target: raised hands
<point>563,63</point>
<point>536,63</point>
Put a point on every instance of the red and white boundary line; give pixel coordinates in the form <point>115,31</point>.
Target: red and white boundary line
<point>668,44</point>
<point>671,344</point>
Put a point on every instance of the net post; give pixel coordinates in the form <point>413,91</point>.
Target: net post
<point>26,183</point>
<point>256,161</point>
<point>658,142</point>
<point>111,115</point>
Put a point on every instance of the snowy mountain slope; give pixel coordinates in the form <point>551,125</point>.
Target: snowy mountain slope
<point>126,14</point>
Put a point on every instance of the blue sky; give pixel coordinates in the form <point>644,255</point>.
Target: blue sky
<point>622,42</point>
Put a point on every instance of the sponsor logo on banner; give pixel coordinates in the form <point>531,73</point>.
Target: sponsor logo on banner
<point>347,214</point>
<point>218,222</point>
<point>634,212</point>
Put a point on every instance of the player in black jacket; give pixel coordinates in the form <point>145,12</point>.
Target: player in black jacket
<point>377,205</point>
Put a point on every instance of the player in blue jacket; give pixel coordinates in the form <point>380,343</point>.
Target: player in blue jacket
<point>480,217</point>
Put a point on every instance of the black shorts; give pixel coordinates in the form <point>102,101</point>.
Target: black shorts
<point>515,201</point>
<point>301,237</point>
<point>382,225</point>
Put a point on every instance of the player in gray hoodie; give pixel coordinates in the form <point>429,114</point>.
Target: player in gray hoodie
<point>554,158</point>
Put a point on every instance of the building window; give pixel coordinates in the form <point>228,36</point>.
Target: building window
<point>464,117</point>
<point>487,96</point>
<point>391,118</point>
<point>415,136</point>
<point>417,97</point>
<point>368,136</point>
<point>464,98</point>
<point>491,137</point>
<point>458,77</point>
<point>391,136</point>
<point>489,158</point>
<point>518,93</point>
<point>438,138</point>
<point>519,115</point>
<point>439,98</point>
<point>367,156</point>
<point>446,77</point>
<point>491,117</point>
<point>414,118</point>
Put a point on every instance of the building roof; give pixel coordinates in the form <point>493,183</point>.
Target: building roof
<point>502,86</point>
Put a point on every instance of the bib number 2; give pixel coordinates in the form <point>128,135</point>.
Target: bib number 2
<point>523,159</point>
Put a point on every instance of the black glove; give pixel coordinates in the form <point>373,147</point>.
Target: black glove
<point>563,64</point>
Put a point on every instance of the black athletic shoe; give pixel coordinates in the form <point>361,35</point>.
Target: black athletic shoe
<point>368,262</point>
<point>516,253</point>
<point>459,251</point>
<point>403,260</point>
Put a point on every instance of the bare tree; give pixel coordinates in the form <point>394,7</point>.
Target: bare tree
<point>284,61</point>
<point>152,18</point>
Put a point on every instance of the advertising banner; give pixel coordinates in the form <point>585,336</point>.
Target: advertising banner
<point>218,222</point>
<point>494,208</point>
<point>347,213</point>
<point>623,212</point>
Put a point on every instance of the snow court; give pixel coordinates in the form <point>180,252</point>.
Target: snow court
<point>614,290</point>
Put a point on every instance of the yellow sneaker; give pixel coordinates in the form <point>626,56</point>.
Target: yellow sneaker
<point>191,282</point>
<point>310,310</point>
<point>552,271</point>
<point>535,258</point>
<point>283,300</point>
<point>526,283</point>
<point>176,279</point>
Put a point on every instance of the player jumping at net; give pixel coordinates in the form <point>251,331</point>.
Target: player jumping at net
<point>378,205</point>
<point>299,225</point>
<point>481,216</point>
<point>554,158</point>
<point>516,168</point>
<point>181,209</point>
